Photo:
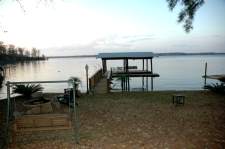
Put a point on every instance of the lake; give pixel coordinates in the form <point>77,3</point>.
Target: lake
<point>176,72</point>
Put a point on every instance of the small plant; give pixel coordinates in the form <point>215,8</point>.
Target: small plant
<point>27,90</point>
<point>217,88</point>
<point>75,80</point>
<point>1,80</point>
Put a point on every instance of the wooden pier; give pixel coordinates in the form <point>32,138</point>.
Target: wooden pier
<point>104,81</point>
<point>219,77</point>
<point>135,73</point>
<point>216,77</point>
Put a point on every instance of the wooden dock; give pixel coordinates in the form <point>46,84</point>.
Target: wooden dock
<point>101,81</point>
<point>134,73</point>
<point>101,87</point>
<point>220,77</point>
<point>98,83</point>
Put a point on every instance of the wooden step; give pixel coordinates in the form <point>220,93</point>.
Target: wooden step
<point>42,122</point>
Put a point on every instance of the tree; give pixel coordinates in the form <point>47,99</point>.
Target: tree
<point>11,50</point>
<point>187,14</point>
<point>27,53</point>
<point>21,51</point>
<point>34,52</point>
<point>38,53</point>
<point>2,48</point>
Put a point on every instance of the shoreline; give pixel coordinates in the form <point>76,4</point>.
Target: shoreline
<point>138,92</point>
<point>140,120</point>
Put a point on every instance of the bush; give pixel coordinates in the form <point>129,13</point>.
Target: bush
<point>217,88</point>
<point>27,90</point>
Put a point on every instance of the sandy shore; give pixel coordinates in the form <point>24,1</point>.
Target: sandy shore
<point>139,120</point>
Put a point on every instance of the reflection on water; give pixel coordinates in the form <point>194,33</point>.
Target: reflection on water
<point>176,73</point>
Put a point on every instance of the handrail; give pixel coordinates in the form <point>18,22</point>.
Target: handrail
<point>94,79</point>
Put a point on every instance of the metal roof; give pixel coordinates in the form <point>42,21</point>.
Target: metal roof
<point>122,55</point>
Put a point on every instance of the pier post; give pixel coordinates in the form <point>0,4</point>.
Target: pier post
<point>143,68</point>
<point>151,84</point>
<point>104,66</point>
<point>205,72</point>
<point>151,77</point>
<point>147,77</point>
<point>86,68</point>
<point>128,83</point>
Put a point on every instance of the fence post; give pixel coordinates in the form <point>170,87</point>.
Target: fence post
<point>75,114</point>
<point>8,112</point>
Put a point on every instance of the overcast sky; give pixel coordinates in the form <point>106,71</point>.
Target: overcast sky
<point>76,27</point>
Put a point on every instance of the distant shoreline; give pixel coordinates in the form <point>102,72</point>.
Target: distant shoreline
<point>74,56</point>
<point>156,54</point>
<point>15,59</point>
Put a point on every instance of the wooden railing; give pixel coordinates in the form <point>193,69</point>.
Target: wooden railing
<point>109,79</point>
<point>94,79</point>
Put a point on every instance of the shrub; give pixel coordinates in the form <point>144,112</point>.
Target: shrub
<point>76,80</point>
<point>217,88</point>
<point>27,90</point>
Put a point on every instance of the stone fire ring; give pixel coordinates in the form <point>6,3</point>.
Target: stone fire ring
<point>37,106</point>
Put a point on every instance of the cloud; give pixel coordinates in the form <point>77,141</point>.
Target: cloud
<point>184,46</point>
<point>138,38</point>
<point>109,43</point>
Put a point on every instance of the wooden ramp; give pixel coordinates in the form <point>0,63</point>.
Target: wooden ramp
<point>42,122</point>
<point>98,83</point>
<point>220,77</point>
<point>101,87</point>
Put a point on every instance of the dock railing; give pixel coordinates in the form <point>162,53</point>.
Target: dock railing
<point>109,79</point>
<point>94,79</point>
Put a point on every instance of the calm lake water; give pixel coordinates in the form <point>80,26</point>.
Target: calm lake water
<point>176,72</point>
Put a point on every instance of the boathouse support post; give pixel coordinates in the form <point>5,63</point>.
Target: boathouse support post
<point>104,66</point>
<point>147,77</point>
<point>143,68</point>
<point>127,66</point>
<point>127,72</point>
<point>128,83</point>
<point>125,83</point>
<point>151,77</point>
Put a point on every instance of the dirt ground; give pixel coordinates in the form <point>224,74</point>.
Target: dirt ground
<point>139,120</point>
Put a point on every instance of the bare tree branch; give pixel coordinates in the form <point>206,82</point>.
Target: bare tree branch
<point>187,14</point>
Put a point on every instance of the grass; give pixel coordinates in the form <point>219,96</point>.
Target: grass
<point>148,120</point>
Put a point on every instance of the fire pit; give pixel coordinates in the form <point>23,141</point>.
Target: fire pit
<point>39,105</point>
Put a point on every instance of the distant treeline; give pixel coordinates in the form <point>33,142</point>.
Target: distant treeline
<point>182,53</point>
<point>156,54</point>
<point>11,53</point>
<point>73,56</point>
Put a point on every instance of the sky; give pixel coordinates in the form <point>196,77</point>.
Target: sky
<point>81,27</point>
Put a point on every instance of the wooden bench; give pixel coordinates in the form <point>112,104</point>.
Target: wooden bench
<point>178,99</point>
<point>42,122</point>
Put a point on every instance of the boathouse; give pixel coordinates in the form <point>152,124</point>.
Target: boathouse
<point>127,71</point>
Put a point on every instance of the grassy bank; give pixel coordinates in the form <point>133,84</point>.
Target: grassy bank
<point>141,120</point>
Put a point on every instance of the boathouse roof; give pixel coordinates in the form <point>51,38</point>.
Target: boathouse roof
<point>126,55</point>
